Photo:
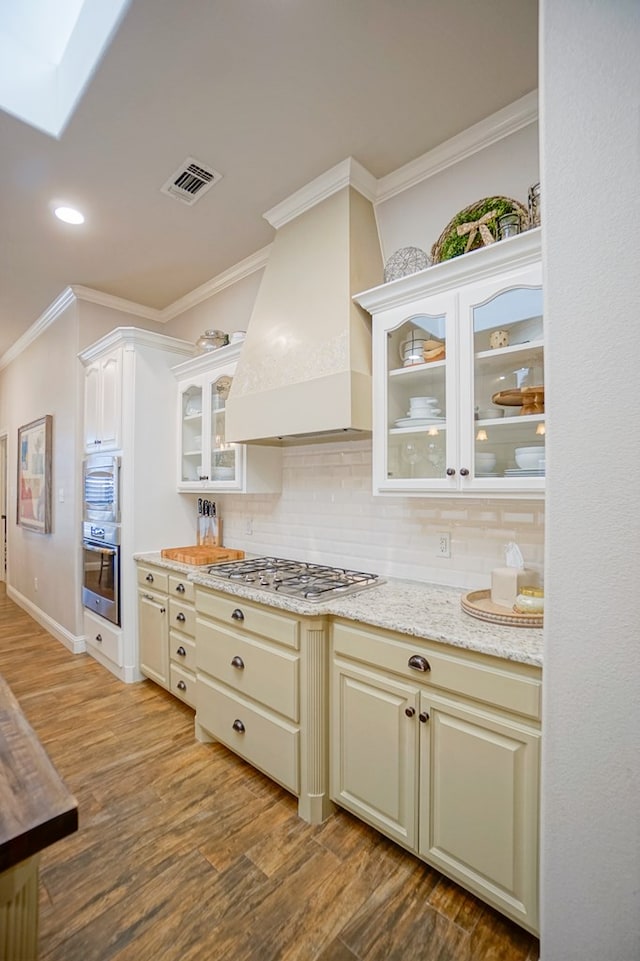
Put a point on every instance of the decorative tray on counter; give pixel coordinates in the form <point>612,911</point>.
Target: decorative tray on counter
<point>479,604</point>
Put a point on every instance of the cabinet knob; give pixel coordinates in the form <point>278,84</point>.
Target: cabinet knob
<point>180,588</point>
<point>180,617</point>
<point>424,717</point>
<point>99,638</point>
<point>203,477</point>
<point>451,471</point>
<point>181,651</point>
<point>409,711</point>
<point>419,663</point>
<point>238,726</point>
<point>237,662</point>
<point>237,615</point>
<point>464,471</point>
<point>181,686</point>
<point>149,578</point>
<point>163,610</point>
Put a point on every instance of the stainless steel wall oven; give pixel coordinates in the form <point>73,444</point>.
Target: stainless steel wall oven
<point>101,569</point>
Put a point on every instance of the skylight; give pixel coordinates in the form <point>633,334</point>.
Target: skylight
<point>48,52</point>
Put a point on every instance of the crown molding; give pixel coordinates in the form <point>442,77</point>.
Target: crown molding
<point>347,173</point>
<point>51,314</point>
<point>521,113</point>
<point>229,277</point>
<point>132,337</point>
<point>91,296</point>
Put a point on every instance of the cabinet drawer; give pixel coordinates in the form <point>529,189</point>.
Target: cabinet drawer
<point>181,587</point>
<point>513,688</point>
<point>183,684</point>
<point>250,667</point>
<point>182,617</point>
<point>102,636</point>
<point>153,578</point>
<point>262,739</point>
<point>251,617</point>
<point>182,651</point>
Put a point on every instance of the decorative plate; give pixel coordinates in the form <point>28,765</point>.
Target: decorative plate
<point>478,227</point>
<point>407,260</point>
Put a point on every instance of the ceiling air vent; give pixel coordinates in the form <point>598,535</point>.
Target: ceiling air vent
<point>190,181</point>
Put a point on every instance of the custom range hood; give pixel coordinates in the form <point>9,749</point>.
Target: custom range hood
<point>305,367</point>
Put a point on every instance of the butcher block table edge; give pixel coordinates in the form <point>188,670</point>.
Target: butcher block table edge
<point>36,808</point>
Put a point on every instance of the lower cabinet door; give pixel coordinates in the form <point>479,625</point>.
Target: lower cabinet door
<point>374,750</point>
<point>478,803</point>
<point>262,738</point>
<point>153,638</point>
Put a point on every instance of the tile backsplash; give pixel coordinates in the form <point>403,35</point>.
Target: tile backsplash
<point>326,513</point>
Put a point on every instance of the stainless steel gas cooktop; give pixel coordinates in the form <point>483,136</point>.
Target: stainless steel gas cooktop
<point>309,582</point>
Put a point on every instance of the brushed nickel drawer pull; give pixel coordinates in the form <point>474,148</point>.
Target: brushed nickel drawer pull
<point>237,615</point>
<point>237,662</point>
<point>238,726</point>
<point>180,588</point>
<point>181,651</point>
<point>419,663</point>
<point>180,617</point>
<point>181,686</point>
<point>149,578</point>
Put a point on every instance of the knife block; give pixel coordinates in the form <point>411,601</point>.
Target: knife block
<point>209,533</point>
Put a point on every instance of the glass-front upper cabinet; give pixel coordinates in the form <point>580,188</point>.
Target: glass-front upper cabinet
<point>458,375</point>
<point>206,459</point>
<point>415,391</point>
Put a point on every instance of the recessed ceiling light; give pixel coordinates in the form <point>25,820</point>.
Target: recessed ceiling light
<point>69,215</point>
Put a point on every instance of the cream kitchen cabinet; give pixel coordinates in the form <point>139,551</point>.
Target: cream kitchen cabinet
<point>262,690</point>
<point>153,626</point>
<point>439,750</point>
<point>103,403</point>
<point>206,459</point>
<point>166,630</point>
<point>437,428</point>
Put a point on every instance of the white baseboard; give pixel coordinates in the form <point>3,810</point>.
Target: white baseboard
<point>74,643</point>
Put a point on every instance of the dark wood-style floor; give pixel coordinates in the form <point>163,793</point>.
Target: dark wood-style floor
<point>184,852</point>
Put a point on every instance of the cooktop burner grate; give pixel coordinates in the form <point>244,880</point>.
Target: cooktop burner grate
<point>310,582</point>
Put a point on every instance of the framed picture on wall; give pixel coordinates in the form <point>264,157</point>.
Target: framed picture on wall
<point>34,475</point>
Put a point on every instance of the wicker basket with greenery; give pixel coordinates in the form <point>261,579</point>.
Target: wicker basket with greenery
<point>477,222</point>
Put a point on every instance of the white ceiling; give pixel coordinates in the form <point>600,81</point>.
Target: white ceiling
<point>271,93</point>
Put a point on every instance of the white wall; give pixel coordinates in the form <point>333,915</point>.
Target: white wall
<point>590,73</point>
<point>417,217</point>
<point>227,310</point>
<point>44,380</point>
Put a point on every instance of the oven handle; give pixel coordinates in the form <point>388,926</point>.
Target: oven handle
<point>100,550</point>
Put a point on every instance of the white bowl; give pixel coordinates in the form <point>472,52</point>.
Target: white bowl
<point>530,458</point>
<point>485,461</point>
<point>223,473</point>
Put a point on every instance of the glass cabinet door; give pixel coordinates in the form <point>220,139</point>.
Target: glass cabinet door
<point>505,418</point>
<point>192,466</point>
<point>224,461</point>
<point>419,400</point>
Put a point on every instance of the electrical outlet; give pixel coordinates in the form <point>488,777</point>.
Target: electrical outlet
<point>248,527</point>
<point>35,583</point>
<point>443,544</point>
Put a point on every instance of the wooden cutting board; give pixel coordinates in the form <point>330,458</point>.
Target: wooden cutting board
<point>199,556</point>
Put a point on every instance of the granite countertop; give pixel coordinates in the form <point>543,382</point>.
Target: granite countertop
<point>428,611</point>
